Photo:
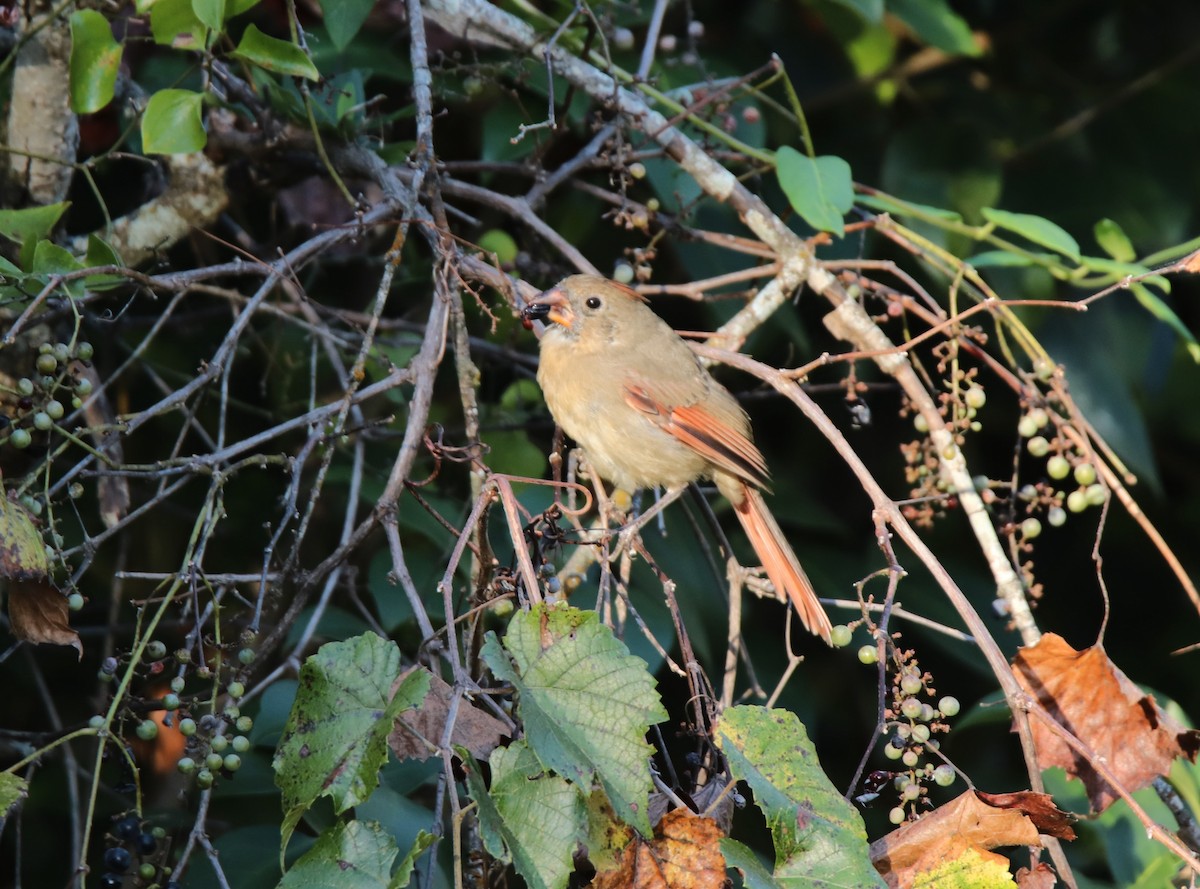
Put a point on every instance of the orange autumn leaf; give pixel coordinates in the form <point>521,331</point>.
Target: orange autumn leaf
<point>1090,697</point>
<point>684,854</point>
<point>968,824</point>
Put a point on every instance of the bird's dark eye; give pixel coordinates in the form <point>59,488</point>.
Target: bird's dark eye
<point>593,302</point>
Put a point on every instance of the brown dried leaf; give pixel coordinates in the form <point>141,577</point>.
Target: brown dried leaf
<point>684,854</point>
<point>37,613</point>
<point>1041,877</point>
<point>416,730</point>
<point>1089,696</point>
<point>1048,818</point>
<point>961,825</point>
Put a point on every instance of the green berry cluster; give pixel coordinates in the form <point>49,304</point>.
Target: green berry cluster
<point>912,720</point>
<point>1045,438</point>
<point>39,398</point>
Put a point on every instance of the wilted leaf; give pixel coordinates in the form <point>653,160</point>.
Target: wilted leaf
<point>528,816</point>
<point>1092,698</point>
<point>1048,818</point>
<point>37,613</point>
<point>964,825</point>
<point>685,853</point>
<point>475,730</point>
<point>585,700</point>
<point>1041,877</point>
<point>22,553</point>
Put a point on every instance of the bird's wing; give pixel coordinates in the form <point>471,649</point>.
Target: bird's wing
<point>727,448</point>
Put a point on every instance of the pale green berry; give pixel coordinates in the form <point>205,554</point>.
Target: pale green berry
<point>910,758</point>
<point>1038,446</point>
<point>1031,528</point>
<point>975,397</point>
<point>1026,427</point>
<point>1058,467</point>
<point>1056,516</point>
<point>1095,495</point>
<point>949,706</point>
<point>868,655</point>
<point>911,708</point>
<point>1077,501</point>
<point>943,775</point>
<point>896,815</point>
<point>840,636</point>
<point>1085,474</point>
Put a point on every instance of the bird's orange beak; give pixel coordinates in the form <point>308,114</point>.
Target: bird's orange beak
<point>550,305</point>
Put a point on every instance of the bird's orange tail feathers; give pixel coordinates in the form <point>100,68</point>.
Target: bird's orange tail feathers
<point>782,567</point>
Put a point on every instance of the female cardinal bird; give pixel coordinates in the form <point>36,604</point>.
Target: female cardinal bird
<point>628,389</point>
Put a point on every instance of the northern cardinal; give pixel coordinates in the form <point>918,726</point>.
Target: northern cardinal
<point>628,389</point>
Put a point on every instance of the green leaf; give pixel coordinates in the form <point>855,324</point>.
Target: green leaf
<point>883,203</point>
<point>500,242</point>
<point>353,855</point>
<point>237,7</point>
<point>1036,229</point>
<point>404,871</point>
<point>343,18</point>
<point>95,61</point>
<point>1113,240</point>
<point>585,700</point>
<point>174,23</point>
<point>1154,304</point>
<point>871,10</point>
<point>13,789</point>
<point>819,837</point>
<point>101,253</point>
<point>754,875</point>
<point>32,223</point>
<point>335,740</point>
<point>275,55</point>
<point>172,123</point>
<point>50,259</point>
<point>531,817</point>
<point>937,24</point>
<point>1117,270</point>
<point>1006,259</point>
<point>820,189</point>
<point>210,12</point>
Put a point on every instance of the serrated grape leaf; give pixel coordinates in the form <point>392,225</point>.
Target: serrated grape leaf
<point>1036,229</point>
<point>820,189</point>
<point>586,702</point>
<point>172,124</point>
<point>351,855</point>
<point>95,61</point>
<point>13,789</point>
<point>335,739</point>
<point>529,816</point>
<point>819,837</point>
<point>275,55</point>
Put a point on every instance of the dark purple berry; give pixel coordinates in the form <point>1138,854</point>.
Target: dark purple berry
<point>127,828</point>
<point>111,881</point>
<point>118,859</point>
<point>146,844</point>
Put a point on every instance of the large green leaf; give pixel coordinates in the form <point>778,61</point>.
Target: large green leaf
<point>275,55</point>
<point>530,816</point>
<point>335,740</point>
<point>95,61</point>
<point>1036,229</point>
<point>1113,240</point>
<point>343,18</point>
<point>820,189</point>
<point>172,123</point>
<point>586,702</point>
<point>819,837</point>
